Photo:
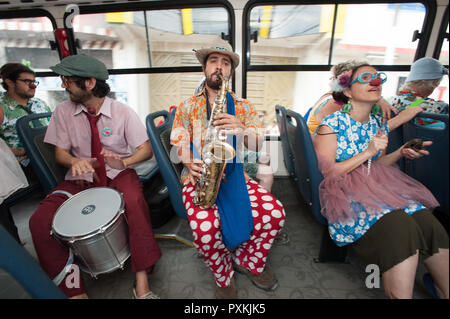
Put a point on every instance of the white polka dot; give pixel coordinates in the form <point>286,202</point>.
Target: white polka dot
<point>253,204</point>
<point>262,190</point>
<point>213,257</point>
<point>190,211</point>
<point>205,226</point>
<point>267,206</point>
<point>276,213</point>
<point>267,198</point>
<point>221,279</point>
<point>254,259</point>
<point>251,265</point>
<point>188,204</point>
<point>251,191</point>
<point>258,254</point>
<point>274,232</point>
<point>253,198</point>
<point>206,239</point>
<point>193,224</point>
<point>264,235</point>
<point>255,213</point>
<point>282,223</point>
<point>258,226</point>
<point>266,219</point>
<point>267,226</point>
<point>202,214</point>
<point>206,247</point>
<point>190,189</point>
<point>260,270</point>
<point>266,246</point>
<point>216,223</point>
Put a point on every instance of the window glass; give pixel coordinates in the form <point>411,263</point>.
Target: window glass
<point>302,34</point>
<point>386,39</point>
<point>159,38</point>
<point>289,34</point>
<point>443,56</point>
<point>145,93</point>
<point>26,40</point>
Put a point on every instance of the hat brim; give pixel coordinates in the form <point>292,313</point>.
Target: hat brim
<point>58,69</point>
<point>201,54</point>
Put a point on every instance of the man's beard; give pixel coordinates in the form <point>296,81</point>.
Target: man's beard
<point>213,83</point>
<point>25,95</point>
<point>79,97</point>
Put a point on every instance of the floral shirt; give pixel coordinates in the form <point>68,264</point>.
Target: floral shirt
<point>351,230</point>
<point>190,123</point>
<point>12,112</point>
<point>407,98</point>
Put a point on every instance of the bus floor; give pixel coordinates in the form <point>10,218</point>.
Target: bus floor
<point>181,273</point>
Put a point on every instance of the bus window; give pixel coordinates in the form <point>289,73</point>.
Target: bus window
<point>27,40</point>
<point>155,38</point>
<point>302,34</point>
<point>443,55</point>
<point>378,33</point>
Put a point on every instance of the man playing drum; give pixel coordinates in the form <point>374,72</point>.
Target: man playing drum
<point>93,135</point>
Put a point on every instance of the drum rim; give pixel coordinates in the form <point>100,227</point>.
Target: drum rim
<point>95,232</point>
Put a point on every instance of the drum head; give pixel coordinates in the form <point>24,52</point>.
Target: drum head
<point>87,212</point>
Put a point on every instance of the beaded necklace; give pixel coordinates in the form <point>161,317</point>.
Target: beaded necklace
<point>370,133</point>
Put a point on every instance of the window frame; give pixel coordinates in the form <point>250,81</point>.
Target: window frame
<point>430,15</point>
<point>153,6</point>
<point>442,34</point>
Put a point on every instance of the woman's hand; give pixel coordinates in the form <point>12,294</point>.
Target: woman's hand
<point>410,153</point>
<point>378,143</point>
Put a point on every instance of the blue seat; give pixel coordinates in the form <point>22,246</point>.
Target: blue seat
<point>431,170</point>
<point>308,180</point>
<point>288,156</point>
<point>305,162</point>
<point>160,140</point>
<point>41,155</point>
<point>24,269</point>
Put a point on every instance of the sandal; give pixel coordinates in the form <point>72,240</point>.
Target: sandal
<point>281,239</point>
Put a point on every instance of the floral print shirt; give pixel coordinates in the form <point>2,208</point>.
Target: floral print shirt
<point>407,98</point>
<point>190,123</point>
<point>12,112</point>
<point>344,233</point>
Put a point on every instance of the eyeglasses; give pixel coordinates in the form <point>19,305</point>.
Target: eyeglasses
<point>367,77</point>
<point>29,82</point>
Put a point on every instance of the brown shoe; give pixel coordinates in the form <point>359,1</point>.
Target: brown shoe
<point>265,281</point>
<point>229,292</point>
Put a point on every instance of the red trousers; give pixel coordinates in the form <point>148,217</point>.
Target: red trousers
<point>143,246</point>
<point>268,219</point>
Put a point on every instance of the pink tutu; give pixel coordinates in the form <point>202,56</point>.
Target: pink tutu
<point>385,187</point>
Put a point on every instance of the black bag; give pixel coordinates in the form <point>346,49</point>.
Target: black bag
<point>157,196</point>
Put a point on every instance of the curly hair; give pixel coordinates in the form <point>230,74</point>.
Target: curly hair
<point>12,71</point>
<point>338,69</point>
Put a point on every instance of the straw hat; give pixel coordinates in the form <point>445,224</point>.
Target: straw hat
<point>219,46</point>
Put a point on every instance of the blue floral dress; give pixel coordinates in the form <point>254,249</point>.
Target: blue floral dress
<point>344,233</point>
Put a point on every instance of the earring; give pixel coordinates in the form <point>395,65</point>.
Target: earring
<point>347,108</point>
<point>375,109</point>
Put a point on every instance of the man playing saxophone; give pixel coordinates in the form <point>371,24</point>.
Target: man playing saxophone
<point>237,232</point>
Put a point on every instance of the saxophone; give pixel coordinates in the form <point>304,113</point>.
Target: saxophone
<point>215,153</point>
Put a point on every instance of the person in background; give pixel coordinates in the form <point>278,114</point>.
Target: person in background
<point>425,76</point>
<point>20,84</point>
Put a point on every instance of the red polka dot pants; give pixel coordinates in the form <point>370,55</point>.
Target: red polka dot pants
<point>268,220</point>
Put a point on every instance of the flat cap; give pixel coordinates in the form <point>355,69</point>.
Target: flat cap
<point>81,65</point>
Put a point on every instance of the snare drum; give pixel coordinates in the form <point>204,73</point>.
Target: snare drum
<point>93,224</point>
